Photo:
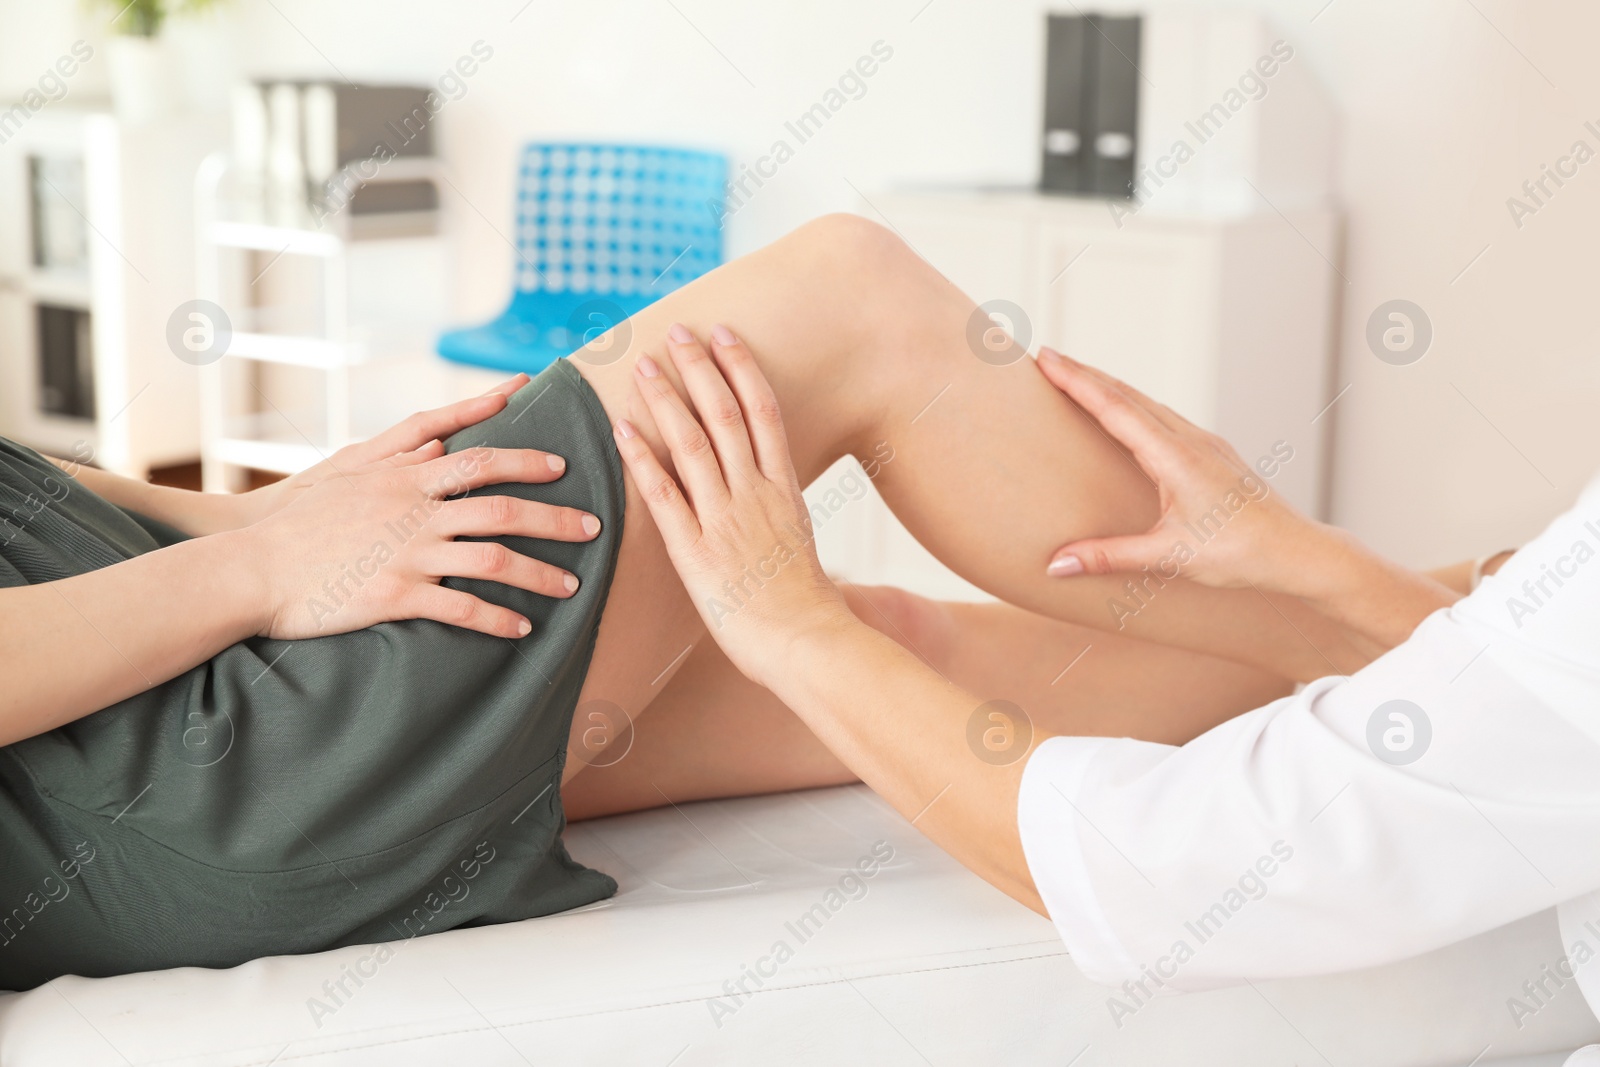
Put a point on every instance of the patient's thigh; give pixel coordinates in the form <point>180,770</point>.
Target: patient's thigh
<point>647,630</point>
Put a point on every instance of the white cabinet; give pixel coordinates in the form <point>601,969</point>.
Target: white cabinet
<point>122,195</point>
<point>1227,318</point>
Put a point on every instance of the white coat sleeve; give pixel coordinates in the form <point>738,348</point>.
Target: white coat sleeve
<point>1448,788</point>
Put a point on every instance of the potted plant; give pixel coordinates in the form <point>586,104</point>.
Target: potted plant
<point>143,75</point>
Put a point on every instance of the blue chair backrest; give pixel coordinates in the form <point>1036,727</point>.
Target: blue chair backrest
<point>613,220</point>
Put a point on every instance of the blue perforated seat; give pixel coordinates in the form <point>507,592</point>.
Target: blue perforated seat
<point>603,231</point>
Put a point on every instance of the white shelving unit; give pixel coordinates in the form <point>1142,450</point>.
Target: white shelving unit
<point>337,342</point>
<point>135,213</point>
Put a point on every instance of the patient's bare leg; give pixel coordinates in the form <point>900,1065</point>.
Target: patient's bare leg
<point>713,733</point>
<point>867,348</point>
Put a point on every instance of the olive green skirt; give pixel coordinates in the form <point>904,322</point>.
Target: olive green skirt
<point>295,796</point>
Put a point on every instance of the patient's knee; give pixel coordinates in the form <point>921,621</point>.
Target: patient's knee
<point>880,297</point>
<point>855,246</point>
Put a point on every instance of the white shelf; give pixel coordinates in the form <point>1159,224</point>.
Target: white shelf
<point>315,352</point>
<point>66,287</point>
<point>274,440</point>
<point>283,240</point>
<point>278,457</point>
<point>60,435</point>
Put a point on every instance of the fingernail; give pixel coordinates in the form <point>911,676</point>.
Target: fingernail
<point>648,368</point>
<point>1064,567</point>
<point>591,525</point>
<point>557,464</point>
<point>723,336</point>
<point>524,628</point>
<point>1051,354</point>
<point>680,333</point>
<point>625,428</point>
<point>569,582</point>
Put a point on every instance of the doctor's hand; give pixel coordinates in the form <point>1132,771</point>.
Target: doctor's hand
<point>1221,525</point>
<point>734,522</point>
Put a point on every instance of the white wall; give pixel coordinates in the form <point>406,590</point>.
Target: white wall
<point>1446,111</point>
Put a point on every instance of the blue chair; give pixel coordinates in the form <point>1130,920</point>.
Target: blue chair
<point>603,231</point>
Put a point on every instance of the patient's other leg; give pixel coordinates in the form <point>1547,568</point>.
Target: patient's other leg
<point>713,733</point>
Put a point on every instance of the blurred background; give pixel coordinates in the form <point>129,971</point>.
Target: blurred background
<point>1379,250</point>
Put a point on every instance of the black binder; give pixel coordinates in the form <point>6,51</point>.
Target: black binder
<point>1116,106</point>
<point>1091,111</point>
<point>1064,112</point>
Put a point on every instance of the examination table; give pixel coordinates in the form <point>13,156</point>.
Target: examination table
<point>805,928</point>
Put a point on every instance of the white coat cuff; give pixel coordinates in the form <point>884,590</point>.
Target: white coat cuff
<point>1048,818</point>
